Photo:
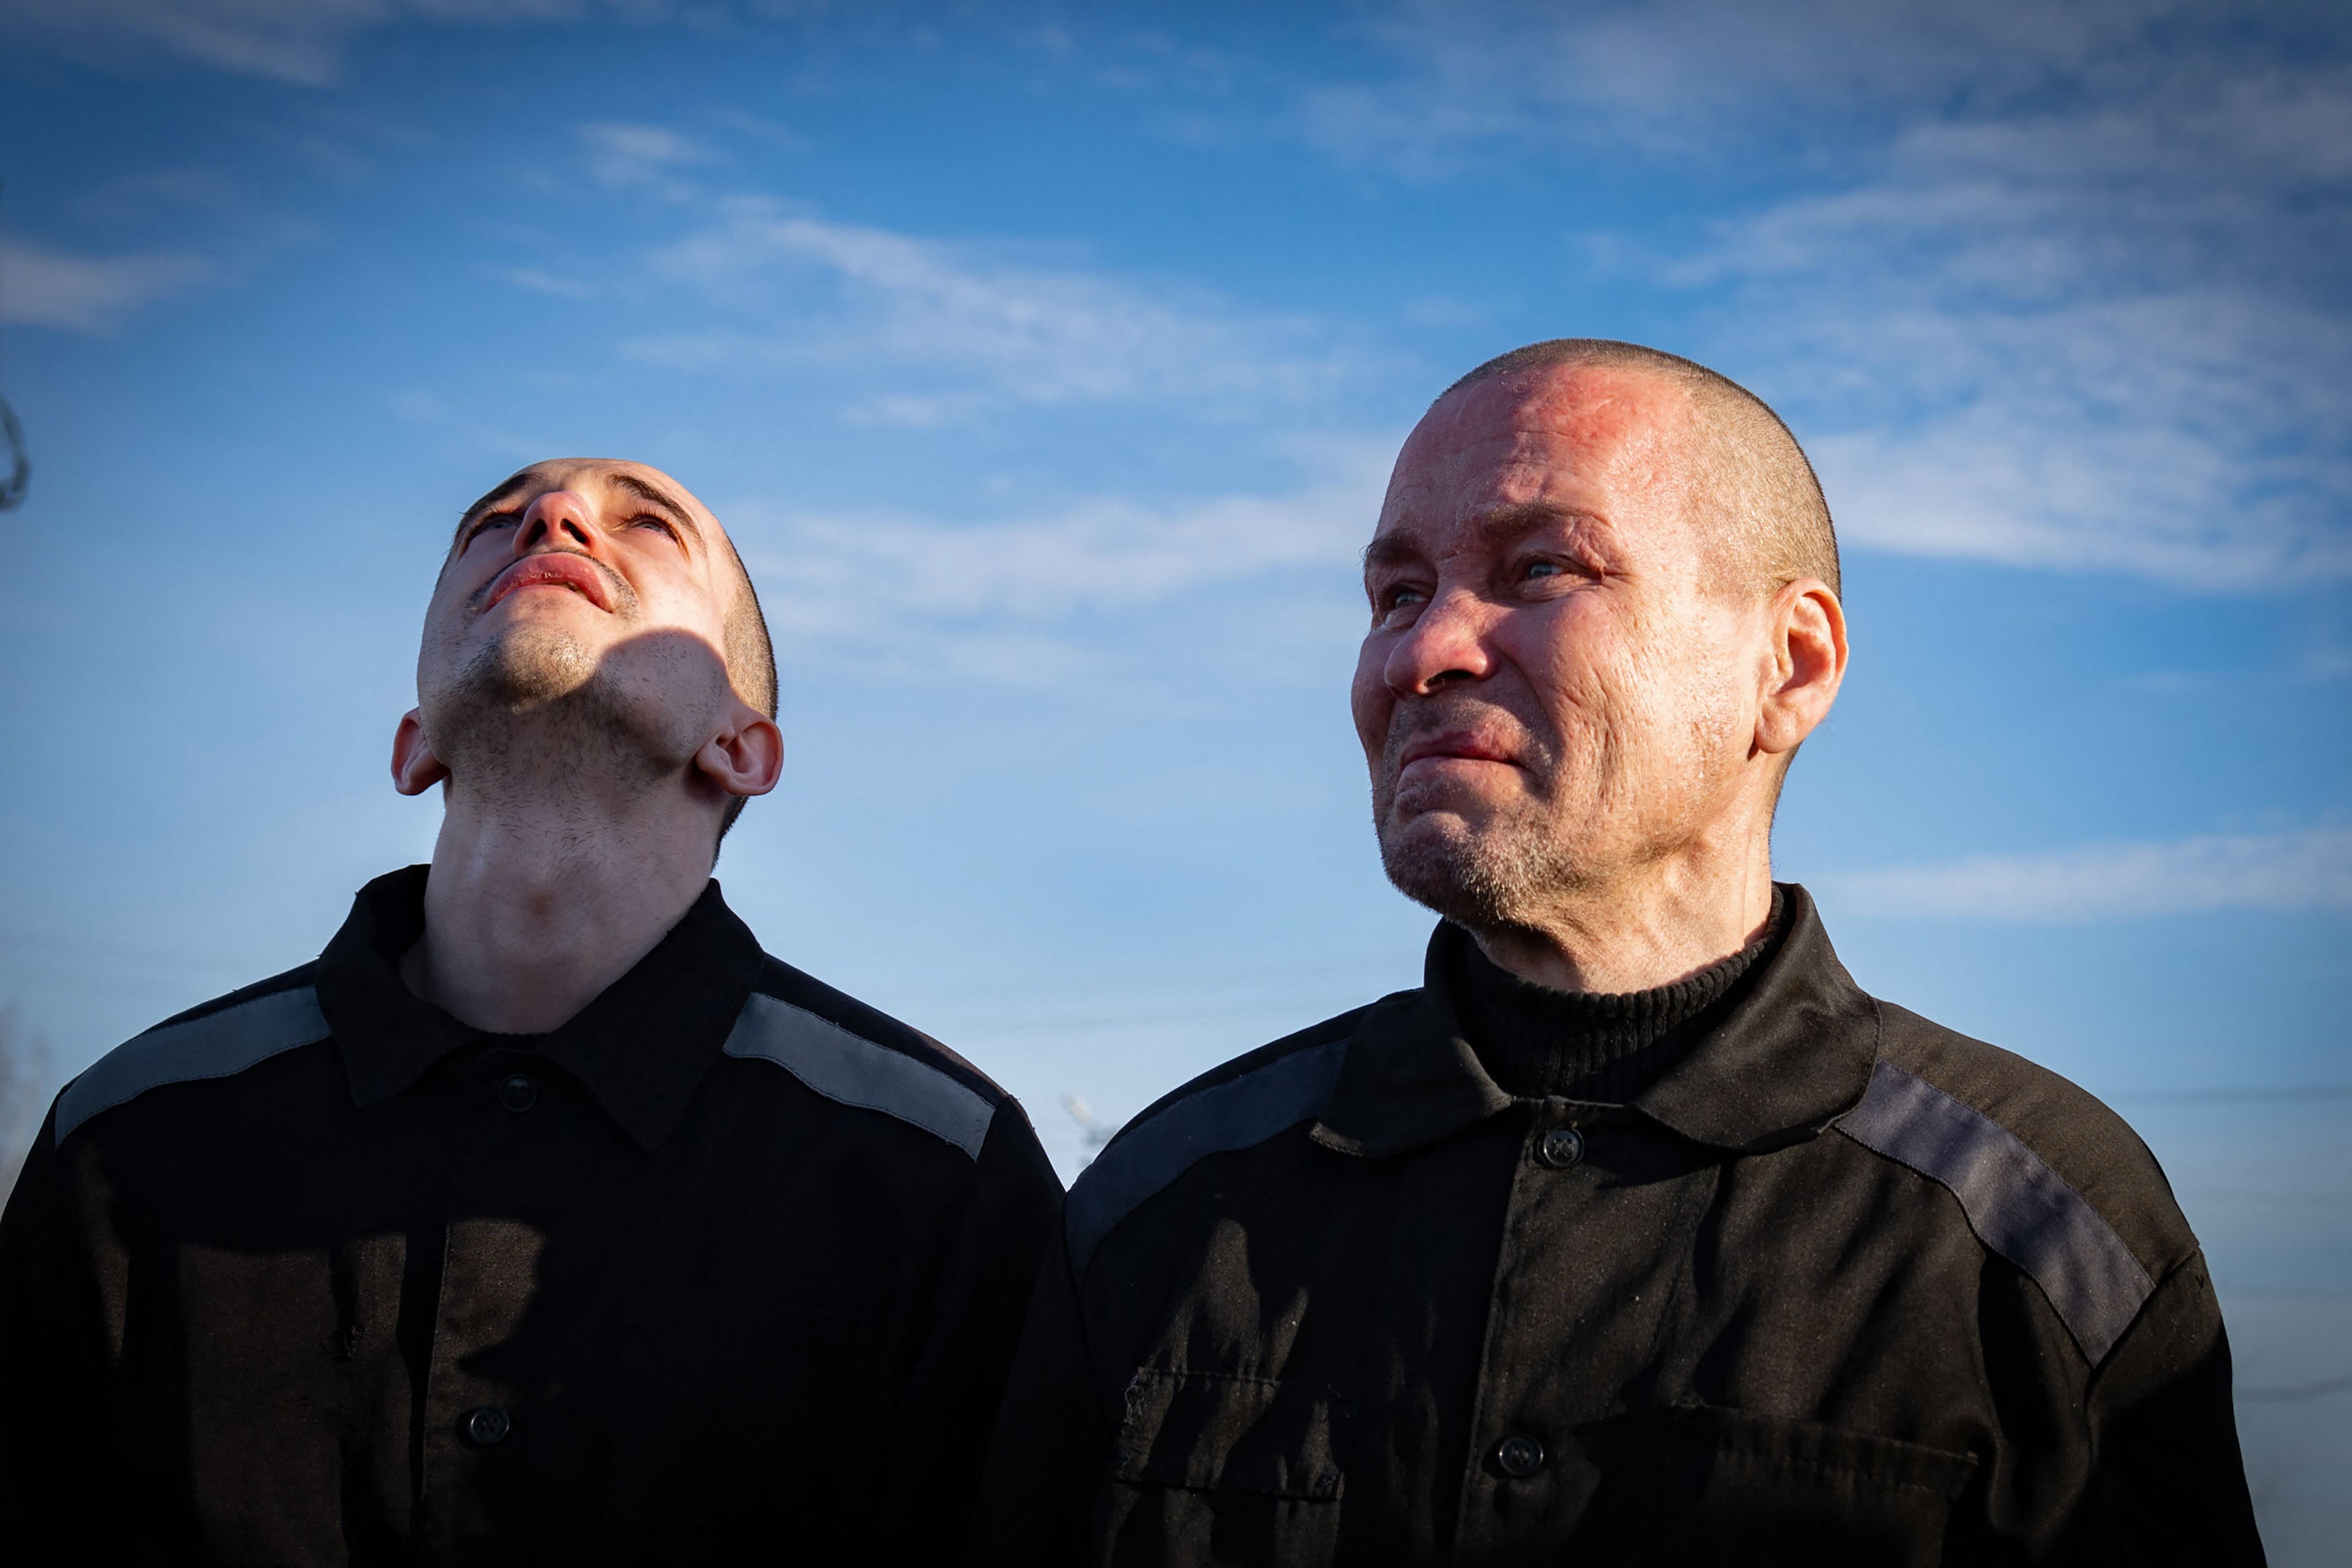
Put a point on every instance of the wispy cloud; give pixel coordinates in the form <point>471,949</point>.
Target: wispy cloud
<point>1002,598</point>
<point>624,154</point>
<point>535,280</point>
<point>302,42</point>
<point>2311,869</point>
<point>2034,342</point>
<point>89,293</point>
<point>2063,293</point>
<point>1685,76</point>
<point>963,328</point>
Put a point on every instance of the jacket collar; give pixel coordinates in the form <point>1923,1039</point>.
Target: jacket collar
<point>639,1048</point>
<point>1793,1054</point>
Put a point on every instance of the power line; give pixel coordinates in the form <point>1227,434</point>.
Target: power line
<point>2235,1094</point>
<point>2298,1392</point>
<point>121,955</point>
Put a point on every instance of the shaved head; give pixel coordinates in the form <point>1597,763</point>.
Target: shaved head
<point>749,652</point>
<point>614,532</point>
<point>1746,483</point>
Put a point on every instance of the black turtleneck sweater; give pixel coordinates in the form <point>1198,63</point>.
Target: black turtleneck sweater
<point>1602,1048</point>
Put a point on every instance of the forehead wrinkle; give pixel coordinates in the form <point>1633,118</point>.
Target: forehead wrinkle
<point>1610,430</point>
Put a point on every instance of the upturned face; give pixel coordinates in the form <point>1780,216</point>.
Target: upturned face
<point>564,576</point>
<point>1558,687</point>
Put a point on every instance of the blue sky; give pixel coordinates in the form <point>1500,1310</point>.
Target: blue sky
<point>1046,363</point>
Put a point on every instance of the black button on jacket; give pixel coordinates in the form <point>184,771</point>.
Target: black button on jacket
<point>729,1269</point>
<point>1841,1288</point>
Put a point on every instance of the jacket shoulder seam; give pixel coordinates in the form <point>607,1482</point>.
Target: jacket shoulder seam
<point>1218,1117</point>
<point>805,991</point>
<point>211,1042</point>
<point>843,1065</point>
<point>2016,1203</point>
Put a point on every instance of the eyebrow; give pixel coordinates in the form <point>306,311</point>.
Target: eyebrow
<point>644,491</point>
<point>1501,525</point>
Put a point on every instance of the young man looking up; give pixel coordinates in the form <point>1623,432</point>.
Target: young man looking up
<point>544,1217</point>
<point>1638,1234</point>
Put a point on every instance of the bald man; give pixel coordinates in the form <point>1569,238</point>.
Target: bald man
<point>1638,1233</point>
<point>544,1219</point>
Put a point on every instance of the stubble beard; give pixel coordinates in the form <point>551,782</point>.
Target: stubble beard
<point>1491,876</point>
<point>1601,813</point>
<point>536,707</point>
<point>1492,867</point>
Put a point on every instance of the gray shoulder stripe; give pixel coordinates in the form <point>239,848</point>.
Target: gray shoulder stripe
<point>2016,1204</point>
<point>1227,1116</point>
<point>851,1069</point>
<point>219,1044</point>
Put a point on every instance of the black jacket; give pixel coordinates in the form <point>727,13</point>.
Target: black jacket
<point>728,1269</point>
<point>1841,1288</point>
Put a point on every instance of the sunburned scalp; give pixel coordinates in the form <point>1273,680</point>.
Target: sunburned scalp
<point>1744,479</point>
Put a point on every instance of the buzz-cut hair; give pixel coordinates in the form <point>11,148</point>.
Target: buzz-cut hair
<point>1747,483</point>
<point>751,656</point>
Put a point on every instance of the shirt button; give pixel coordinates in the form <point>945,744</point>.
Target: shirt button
<point>1518,1455</point>
<point>519,1094</point>
<point>1559,1148</point>
<point>487,1425</point>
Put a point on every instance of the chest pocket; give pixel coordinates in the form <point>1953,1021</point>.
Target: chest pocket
<point>1213,1467</point>
<point>1705,1484</point>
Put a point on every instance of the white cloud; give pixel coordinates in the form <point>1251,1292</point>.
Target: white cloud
<point>2021,344</point>
<point>298,41</point>
<point>89,293</point>
<point>998,598</point>
<point>992,329</point>
<point>2311,869</point>
<point>620,154</point>
<point>532,279</point>
<point>1682,75</point>
<point>2063,294</point>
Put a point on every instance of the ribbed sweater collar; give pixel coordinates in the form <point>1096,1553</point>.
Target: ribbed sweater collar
<point>1599,1047</point>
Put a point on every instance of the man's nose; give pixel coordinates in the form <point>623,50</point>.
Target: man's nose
<point>556,520</point>
<point>1447,643</point>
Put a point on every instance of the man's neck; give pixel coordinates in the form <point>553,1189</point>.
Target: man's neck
<point>540,900</point>
<point>1667,924</point>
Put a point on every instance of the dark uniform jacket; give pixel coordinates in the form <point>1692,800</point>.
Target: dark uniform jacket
<point>729,1269</point>
<point>1841,1288</point>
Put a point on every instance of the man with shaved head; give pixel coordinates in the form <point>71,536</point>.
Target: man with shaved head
<point>544,1219</point>
<point>1638,1233</point>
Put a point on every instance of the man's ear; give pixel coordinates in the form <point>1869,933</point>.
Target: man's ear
<point>747,756</point>
<point>414,768</point>
<point>1809,654</point>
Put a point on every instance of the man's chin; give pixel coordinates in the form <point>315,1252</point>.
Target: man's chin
<point>1473,873</point>
<point>527,665</point>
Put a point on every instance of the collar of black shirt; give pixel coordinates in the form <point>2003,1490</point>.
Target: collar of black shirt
<point>1789,1059</point>
<point>640,1047</point>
